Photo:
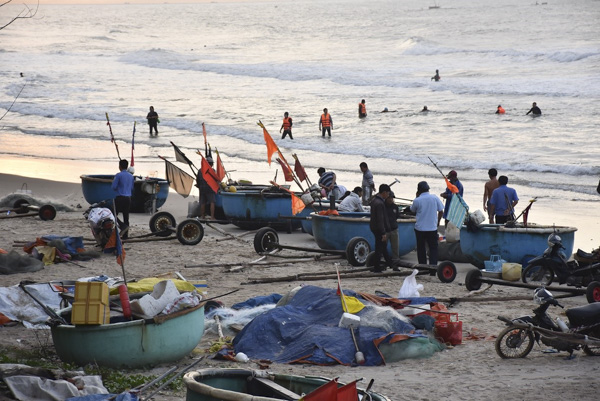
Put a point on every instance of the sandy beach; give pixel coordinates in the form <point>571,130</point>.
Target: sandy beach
<point>471,371</point>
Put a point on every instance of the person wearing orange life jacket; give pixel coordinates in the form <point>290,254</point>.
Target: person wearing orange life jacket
<point>286,127</point>
<point>362,109</point>
<point>500,110</point>
<point>325,123</point>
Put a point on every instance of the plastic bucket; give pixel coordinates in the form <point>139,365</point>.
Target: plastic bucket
<point>449,330</point>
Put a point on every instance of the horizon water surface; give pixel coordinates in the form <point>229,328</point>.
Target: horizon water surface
<point>231,65</point>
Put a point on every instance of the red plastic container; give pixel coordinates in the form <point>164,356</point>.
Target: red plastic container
<point>449,331</point>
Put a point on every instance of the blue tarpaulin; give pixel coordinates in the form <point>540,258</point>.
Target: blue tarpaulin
<point>306,330</point>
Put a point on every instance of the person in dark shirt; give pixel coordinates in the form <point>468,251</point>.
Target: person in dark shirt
<point>152,118</point>
<point>380,227</point>
<point>535,110</point>
<point>436,77</point>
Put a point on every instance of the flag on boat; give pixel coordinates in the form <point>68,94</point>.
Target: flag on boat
<point>178,179</point>
<point>289,176</point>
<point>297,203</point>
<point>347,392</point>
<point>221,173</point>
<point>271,146</point>
<point>209,175</point>
<point>299,169</point>
<point>326,392</point>
<point>114,244</point>
<point>132,145</point>
<point>180,156</point>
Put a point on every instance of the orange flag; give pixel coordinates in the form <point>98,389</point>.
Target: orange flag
<point>348,392</point>
<point>271,146</point>
<point>209,175</point>
<point>297,205</point>
<point>451,186</point>
<point>327,392</point>
<point>220,169</point>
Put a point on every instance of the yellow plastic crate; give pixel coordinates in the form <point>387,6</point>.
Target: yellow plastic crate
<point>90,313</point>
<point>91,292</point>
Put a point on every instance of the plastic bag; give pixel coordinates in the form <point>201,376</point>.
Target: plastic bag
<point>410,288</point>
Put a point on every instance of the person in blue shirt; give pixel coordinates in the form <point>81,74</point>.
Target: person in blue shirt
<point>453,178</point>
<point>123,185</point>
<point>428,209</point>
<point>503,202</point>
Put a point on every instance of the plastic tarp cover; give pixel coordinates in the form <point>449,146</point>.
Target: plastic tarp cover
<point>13,262</point>
<point>306,330</point>
<point>32,388</point>
<point>18,306</point>
<point>258,301</point>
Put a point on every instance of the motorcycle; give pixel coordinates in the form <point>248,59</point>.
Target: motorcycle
<point>582,331</point>
<point>553,263</point>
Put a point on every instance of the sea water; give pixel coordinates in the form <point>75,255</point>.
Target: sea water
<point>231,65</point>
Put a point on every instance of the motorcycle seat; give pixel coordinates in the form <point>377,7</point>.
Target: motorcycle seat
<point>584,315</point>
<point>587,257</point>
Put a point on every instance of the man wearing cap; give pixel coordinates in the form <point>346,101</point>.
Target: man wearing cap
<point>380,227</point>
<point>453,178</point>
<point>428,209</point>
<point>207,195</point>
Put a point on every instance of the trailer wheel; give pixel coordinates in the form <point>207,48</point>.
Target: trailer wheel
<point>370,259</point>
<point>190,232</point>
<point>47,212</point>
<point>161,223</point>
<point>473,280</point>
<point>357,251</point>
<point>446,272</point>
<point>593,292</point>
<point>19,205</point>
<point>265,240</point>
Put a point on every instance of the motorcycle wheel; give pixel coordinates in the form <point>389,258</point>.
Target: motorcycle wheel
<point>513,342</point>
<point>538,275</point>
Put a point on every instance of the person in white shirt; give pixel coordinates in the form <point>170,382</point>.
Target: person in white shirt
<point>429,209</point>
<point>352,202</point>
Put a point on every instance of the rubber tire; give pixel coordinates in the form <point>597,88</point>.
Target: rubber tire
<point>472,280</point>
<point>530,268</point>
<point>501,341</point>
<point>446,272</point>
<point>592,293</point>
<point>370,262</point>
<point>19,206</point>
<point>47,212</point>
<point>357,251</point>
<point>264,240</point>
<point>160,223</point>
<point>190,232</point>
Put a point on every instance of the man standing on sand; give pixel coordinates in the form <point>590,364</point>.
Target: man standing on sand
<point>428,209</point>
<point>362,109</point>
<point>380,227</point>
<point>123,185</point>
<point>487,192</point>
<point>535,110</point>
<point>152,118</point>
<point>453,177</point>
<point>207,195</point>
<point>325,123</point>
<point>503,201</point>
<point>286,126</point>
<point>368,185</point>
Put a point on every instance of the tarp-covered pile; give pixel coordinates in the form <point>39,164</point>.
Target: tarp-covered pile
<point>306,331</point>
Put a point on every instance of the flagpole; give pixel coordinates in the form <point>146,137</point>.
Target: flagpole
<point>260,124</point>
<point>132,144</point>
<point>448,184</point>
<point>112,137</point>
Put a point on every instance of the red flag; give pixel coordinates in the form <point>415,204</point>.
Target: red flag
<point>300,171</point>
<point>209,175</point>
<point>348,392</point>
<point>271,146</point>
<point>327,392</point>
<point>220,169</point>
<point>286,171</point>
<point>204,133</point>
